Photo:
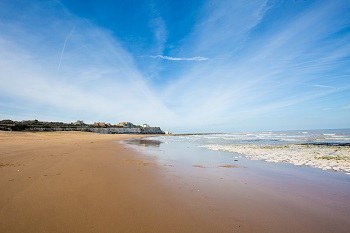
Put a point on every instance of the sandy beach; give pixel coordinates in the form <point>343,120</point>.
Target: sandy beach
<point>85,182</point>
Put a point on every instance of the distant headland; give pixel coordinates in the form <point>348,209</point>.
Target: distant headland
<point>97,127</point>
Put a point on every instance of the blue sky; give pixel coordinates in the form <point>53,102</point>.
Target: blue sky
<point>187,66</point>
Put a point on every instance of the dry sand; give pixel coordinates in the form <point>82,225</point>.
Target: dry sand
<point>85,182</point>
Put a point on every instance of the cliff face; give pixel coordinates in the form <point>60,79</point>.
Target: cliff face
<point>38,126</point>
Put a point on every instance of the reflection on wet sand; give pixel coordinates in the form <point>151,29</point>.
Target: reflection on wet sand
<point>144,142</point>
<point>260,196</point>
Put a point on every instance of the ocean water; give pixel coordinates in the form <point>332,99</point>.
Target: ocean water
<point>327,136</point>
<point>323,149</point>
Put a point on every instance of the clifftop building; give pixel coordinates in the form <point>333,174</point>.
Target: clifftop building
<point>79,122</point>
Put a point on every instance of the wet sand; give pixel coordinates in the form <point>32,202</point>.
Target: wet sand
<point>85,182</point>
<point>243,195</point>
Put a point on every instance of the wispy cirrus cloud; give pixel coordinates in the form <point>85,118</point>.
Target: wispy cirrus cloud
<point>263,73</point>
<point>321,86</point>
<point>197,58</point>
<point>64,47</point>
<point>95,79</point>
<point>268,75</point>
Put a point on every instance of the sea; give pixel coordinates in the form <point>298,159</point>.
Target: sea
<point>325,136</point>
<point>199,150</point>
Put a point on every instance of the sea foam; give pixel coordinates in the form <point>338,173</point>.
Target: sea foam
<point>336,158</point>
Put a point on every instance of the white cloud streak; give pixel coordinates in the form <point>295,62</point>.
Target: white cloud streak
<point>197,58</point>
<point>64,47</point>
<point>99,80</point>
<point>266,76</point>
<point>322,86</point>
